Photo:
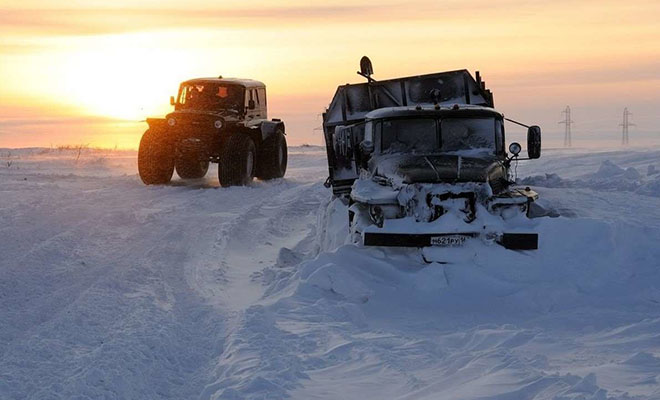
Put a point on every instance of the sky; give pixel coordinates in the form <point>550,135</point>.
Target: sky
<point>89,72</point>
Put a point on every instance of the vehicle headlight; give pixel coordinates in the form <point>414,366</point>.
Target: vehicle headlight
<point>376,214</point>
<point>171,122</point>
<point>515,148</point>
<point>218,124</point>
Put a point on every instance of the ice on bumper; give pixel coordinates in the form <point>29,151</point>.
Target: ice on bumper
<point>419,215</point>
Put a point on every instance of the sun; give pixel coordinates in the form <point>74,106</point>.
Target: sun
<point>126,76</point>
<point>121,82</point>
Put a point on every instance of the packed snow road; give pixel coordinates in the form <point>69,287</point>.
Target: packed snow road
<point>110,289</point>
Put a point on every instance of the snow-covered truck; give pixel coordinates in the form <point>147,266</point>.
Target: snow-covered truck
<point>421,161</point>
<point>221,120</point>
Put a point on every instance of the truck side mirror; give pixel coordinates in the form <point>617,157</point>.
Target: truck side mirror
<point>534,142</point>
<point>251,104</point>
<point>367,146</point>
<point>172,102</point>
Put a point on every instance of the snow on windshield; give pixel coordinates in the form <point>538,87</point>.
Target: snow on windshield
<point>421,134</point>
<point>399,135</point>
<point>468,134</point>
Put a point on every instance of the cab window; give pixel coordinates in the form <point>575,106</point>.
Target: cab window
<point>409,134</point>
<point>248,96</point>
<point>468,134</point>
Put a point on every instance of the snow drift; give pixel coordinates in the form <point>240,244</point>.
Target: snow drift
<point>113,290</point>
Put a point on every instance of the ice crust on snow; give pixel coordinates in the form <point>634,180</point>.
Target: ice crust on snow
<point>110,289</point>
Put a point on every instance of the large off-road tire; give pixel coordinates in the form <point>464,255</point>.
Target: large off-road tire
<point>191,161</point>
<point>155,158</point>
<point>238,162</point>
<point>273,156</point>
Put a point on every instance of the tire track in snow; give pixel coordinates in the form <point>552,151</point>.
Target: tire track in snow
<point>129,322</point>
<point>132,328</point>
<point>266,243</point>
<point>255,239</point>
<point>174,302</point>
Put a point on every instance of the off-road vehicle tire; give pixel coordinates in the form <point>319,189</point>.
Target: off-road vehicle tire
<point>238,161</point>
<point>272,157</point>
<point>191,162</point>
<point>155,159</point>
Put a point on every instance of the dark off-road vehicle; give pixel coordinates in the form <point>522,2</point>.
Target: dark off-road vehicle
<point>422,161</point>
<point>222,120</point>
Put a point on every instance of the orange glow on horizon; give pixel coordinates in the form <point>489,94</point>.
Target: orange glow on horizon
<point>121,60</point>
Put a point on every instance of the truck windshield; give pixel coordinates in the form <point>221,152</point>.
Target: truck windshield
<point>210,96</point>
<point>410,134</point>
<point>455,134</point>
<point>468,134</point>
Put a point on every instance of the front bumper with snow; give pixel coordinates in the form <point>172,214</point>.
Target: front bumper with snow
<point>513,241</point>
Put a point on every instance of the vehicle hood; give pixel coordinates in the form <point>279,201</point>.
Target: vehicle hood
<point>437,168</point>
<point>186,115</point>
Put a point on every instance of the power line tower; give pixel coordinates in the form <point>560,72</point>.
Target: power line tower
<point>567,122</point>
<point>625,124</point>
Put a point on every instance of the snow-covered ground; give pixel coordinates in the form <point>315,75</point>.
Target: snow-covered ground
<point>111,289</point>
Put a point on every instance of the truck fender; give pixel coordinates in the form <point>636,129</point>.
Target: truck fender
<point>268,128</point>
<point>156,123</point>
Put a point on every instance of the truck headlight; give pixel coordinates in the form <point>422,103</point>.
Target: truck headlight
<point>171,122</point>
<point>515,148</point>
<point>376,214</point>
<point>218,124</point>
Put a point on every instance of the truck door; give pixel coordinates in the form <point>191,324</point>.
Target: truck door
<point>344,156</point>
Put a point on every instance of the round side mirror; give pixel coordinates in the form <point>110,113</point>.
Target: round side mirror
<point>515,148</point>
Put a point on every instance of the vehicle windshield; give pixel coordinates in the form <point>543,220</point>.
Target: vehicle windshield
<point>210,96</point>
<point>423,135</point>
<point>410,134</point>
<point>468,134</point>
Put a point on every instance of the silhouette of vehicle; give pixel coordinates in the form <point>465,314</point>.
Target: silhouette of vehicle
<point>220,120</point>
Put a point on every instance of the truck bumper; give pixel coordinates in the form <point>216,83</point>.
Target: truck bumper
<point>513,241</point>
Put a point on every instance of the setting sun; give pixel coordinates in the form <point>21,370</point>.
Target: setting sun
<point>120,79</point>
<point>122,60</point>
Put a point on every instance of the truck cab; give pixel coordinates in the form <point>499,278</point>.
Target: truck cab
<point>221,120</point>
<point>223,95</point>
<point>422,161</point>
<point>436,144</point>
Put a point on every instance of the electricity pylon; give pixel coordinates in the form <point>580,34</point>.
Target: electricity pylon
<point>567,122</point>
<point>625,124</point>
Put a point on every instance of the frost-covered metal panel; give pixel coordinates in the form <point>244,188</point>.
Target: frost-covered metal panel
<point>352,102</point>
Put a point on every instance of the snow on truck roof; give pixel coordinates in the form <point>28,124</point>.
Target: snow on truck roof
<point>352,102</point>
<point>426,110</point>
<point>234,81</point>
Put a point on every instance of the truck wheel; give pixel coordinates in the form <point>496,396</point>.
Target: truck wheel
<point>238,161</point>
<point>272,157</point>
<point>191,162</point>
<point>155,159</point>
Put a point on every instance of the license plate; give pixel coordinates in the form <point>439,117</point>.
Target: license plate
<point>448,240</point>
